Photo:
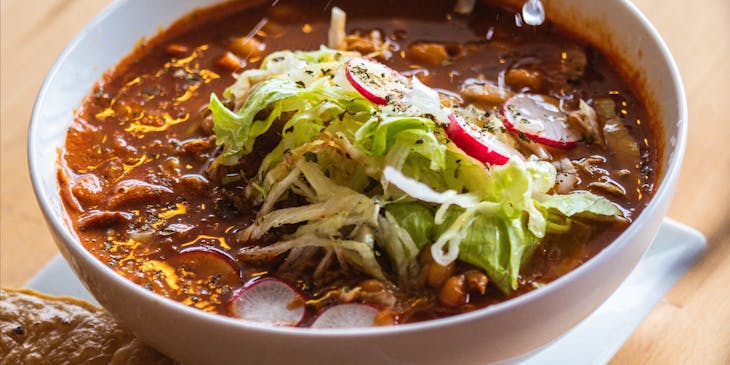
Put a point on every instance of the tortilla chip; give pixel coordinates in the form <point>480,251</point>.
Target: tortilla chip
<point>41,329</point>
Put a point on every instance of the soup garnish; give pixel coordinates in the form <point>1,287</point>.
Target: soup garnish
<point>417,167</point>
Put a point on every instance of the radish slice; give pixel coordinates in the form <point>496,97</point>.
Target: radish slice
<point>204,262</point>
<point>346,316</point>
<point>270,301</point>
<point>538,119</point>
<point>213,256</point>
<point>477,143</point>
<point>376,81</point>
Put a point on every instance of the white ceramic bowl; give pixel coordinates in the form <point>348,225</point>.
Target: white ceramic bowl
<point>505,331</point>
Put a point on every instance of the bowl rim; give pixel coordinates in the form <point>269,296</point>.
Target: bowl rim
<point>73,244</point>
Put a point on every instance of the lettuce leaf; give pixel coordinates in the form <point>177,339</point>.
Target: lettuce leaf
<point>400,248</point>
<point>237,132</point>
<point>416,219</point>
<point>500,245</point>
<point>580,202</point>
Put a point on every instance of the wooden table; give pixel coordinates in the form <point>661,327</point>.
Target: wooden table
<point>692,324</point>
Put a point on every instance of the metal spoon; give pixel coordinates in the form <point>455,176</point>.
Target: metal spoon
<point>533,13</point>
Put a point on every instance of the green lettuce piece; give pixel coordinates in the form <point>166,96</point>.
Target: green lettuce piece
<point>580,202</point>
<point>378,135</point>
<point>237,132</point>
<point>499,245</point>
<point>400,248</point>
<point>516,184</point>
<point>416,219</point>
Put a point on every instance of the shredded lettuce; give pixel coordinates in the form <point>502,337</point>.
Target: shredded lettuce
<point>375,180</point>
<point>400,248</point>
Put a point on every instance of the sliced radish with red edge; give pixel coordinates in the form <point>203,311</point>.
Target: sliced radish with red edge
<point>205,262</point>
<point>376,81</point>
<point>349,315</point>
<point>271,301</point>
<point>210,255</point>
<point>478,143</point>
<point>538,118</point>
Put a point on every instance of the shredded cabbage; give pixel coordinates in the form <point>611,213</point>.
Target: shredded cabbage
<point>377,180</point>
